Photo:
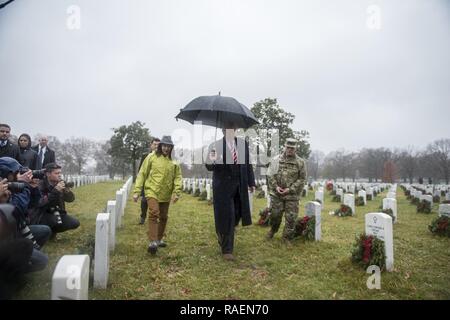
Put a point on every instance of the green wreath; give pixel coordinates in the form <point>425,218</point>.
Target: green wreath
<point>440,226</point>
<point>369,250</point>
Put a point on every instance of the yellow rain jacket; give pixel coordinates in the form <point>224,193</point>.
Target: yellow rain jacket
<point>160,176</point>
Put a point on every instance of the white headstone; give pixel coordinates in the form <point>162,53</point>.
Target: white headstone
<point>194,186</point>
<point>380,225</point>
<point>447,196</point>
<point>313,209</point>
<point>391,195</point>
<point>444,210</point>
<point>101,260</point>
<point>70,280</point>
<point>351,188</point>
<point>124,200</point>
<point>264,189</point>
<point>349,200</point>
<point>390,203</point>
<point>208,191</point>
<point>340,193</point>
<point>370,192</point>
<point>319,196</point>
<point>362,193</point>
<point>119,198</point>
<point>427,198</point>
<point>250,201</point>
<point>111,209</point>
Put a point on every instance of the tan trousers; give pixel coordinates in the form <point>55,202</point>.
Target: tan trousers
<point>157,218</point>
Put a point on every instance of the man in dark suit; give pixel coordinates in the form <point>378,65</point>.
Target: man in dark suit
<point>233,178</point>
<point>45,154</point>
<point>8,149</point>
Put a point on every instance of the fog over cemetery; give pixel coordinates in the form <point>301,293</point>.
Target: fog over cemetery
<point>372,220</point>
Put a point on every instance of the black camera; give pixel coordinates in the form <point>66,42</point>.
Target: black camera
<point>39,174</point>
<point>69,184</point>
<point>16,187</point>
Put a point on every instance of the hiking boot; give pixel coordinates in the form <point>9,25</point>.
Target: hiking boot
<point>142,221</point>
<point>270,235</point>
<point>162,244</point>
<point>152,248</point>
<point>228,257</point>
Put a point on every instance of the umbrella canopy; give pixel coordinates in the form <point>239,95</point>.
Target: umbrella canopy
<point>219,112</point>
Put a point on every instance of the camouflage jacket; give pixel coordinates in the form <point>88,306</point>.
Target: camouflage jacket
<point>287,172</point>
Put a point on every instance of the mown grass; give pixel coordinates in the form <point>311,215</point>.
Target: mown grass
<point>191,267</point>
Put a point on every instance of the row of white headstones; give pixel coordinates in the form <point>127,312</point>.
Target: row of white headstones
<point>84,180</point>
<point>417,192</point>
<point>424,193</point>
<point>377,224</point>
<point>70,278</point>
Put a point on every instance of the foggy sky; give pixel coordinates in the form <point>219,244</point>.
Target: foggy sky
<point>348,85</point>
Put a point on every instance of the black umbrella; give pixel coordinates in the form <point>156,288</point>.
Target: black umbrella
<point>219,112</point>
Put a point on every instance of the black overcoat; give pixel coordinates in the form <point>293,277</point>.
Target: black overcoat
<point>222,184</point>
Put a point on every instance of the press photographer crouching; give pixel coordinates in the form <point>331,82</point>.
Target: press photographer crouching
<point>18,190</point>
<point>52,210</point>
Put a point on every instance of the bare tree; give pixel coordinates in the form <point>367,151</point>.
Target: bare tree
<point>75,154</point>
<point>439,152</point>
<point>340,164</point>
<point>408,162</point>
<point>314,163</point>
<point>104,161</point>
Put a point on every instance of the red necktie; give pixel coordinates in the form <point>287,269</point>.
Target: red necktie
<point>235,156</point>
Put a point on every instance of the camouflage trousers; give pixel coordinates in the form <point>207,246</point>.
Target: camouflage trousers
<point>278,207</point>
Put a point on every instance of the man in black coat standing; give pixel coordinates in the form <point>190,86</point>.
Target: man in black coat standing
<point>45,154</point>
<point>233,178</point>
<point>7,149</point>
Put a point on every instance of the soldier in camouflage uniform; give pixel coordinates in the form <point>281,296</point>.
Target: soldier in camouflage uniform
<point>286,177</point>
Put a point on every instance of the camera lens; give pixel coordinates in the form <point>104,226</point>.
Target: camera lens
<point>38,174</point>
<point>16,187</point>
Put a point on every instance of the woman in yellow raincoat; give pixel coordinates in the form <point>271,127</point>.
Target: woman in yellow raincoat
<point>161,178</point>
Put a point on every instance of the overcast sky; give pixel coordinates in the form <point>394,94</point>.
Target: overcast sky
<point>349,84</point>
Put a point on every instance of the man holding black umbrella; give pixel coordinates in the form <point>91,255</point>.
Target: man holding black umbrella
<point>229,160</point>
<point>233,178</point>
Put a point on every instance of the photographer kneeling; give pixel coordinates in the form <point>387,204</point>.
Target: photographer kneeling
<point>19,190</point>
<point>52,210</point>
